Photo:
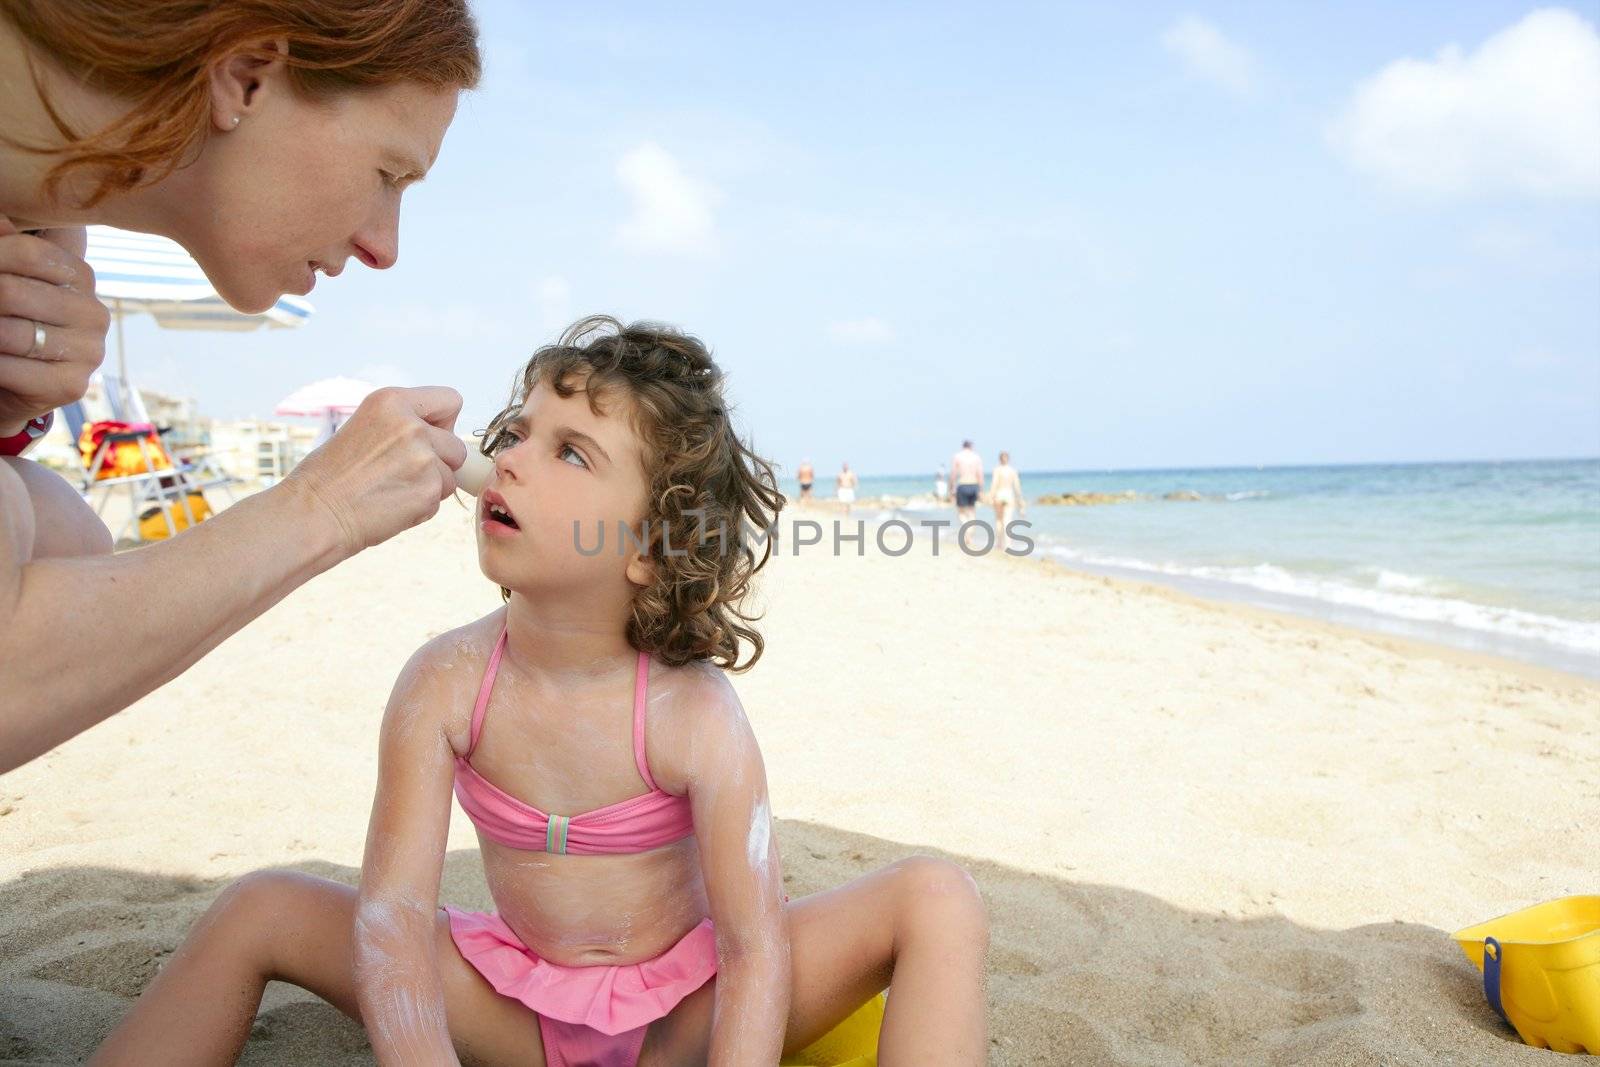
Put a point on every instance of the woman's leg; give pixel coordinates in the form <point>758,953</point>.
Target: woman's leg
<point>281,926</point>
<point>917,927</point>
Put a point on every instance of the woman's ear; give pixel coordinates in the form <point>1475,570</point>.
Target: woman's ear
<point>238,79</point>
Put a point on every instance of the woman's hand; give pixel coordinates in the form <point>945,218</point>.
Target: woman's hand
<point>389,466</point>
<point>45,285</point>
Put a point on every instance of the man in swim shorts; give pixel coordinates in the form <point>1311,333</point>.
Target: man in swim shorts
<point>966,471</point>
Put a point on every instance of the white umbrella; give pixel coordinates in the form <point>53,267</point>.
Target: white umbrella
<point>330,399</point>
<point>339,396</point>
<point>139,272</point>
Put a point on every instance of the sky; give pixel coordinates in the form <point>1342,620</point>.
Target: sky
<point>1099,236</point>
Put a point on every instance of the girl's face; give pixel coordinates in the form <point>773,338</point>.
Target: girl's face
<point>563,472</point>
<point>298,185</point>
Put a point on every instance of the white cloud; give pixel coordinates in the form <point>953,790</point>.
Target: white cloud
<point>1538,359</point>
<point>552,297</point>
<point>866,331</point>
<point>671,212</point>
<point>1208,55</point>
<point>1521,113</point>
<point>384,374</point>
<point>454,321</point>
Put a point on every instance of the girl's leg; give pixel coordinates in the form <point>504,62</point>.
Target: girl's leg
<point>917,927</point>
<point>277,925</point>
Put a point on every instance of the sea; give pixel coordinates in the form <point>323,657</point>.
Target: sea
<point>1498,557</point>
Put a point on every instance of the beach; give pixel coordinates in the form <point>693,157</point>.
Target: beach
<point>1206,833</point>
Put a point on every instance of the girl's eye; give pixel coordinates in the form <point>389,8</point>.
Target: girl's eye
<point>577,457</point>
<point>503,440</point>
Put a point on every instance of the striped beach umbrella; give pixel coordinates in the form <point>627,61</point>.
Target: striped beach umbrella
<point>137,272</point>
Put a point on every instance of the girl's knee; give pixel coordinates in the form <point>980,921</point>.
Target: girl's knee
<point>259,891</point>
<point>262,900</point>
<point>941,895</point>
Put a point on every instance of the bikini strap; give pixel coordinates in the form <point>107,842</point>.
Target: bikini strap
<point>483,693</point>
<point>641,684</point>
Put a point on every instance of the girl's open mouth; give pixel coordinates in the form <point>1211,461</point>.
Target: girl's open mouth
<point>497,518</point>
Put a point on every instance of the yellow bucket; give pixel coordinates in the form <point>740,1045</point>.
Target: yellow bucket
<point>153,525</point>
<point>853,1043</point>
<point>1541,971</point>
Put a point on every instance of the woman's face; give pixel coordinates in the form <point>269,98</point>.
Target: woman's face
<point>301,186</point>
<point>561,465</point>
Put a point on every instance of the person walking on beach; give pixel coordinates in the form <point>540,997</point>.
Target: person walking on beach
<point>941,486</point>
<point>966,471</point>
<point>273,142</point>
<point>1005,493</point>
<point>847,487</point>
<point>807,477</point>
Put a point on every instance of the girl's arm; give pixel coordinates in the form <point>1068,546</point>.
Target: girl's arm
<point>727,786</point>
<point>396,970</point>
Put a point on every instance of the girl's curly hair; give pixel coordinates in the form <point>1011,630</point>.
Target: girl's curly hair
<point>705,483</point>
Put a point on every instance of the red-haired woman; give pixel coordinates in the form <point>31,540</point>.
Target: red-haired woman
<point>273,140</point>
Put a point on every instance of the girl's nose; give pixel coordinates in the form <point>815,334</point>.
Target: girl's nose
<point>502,462</point>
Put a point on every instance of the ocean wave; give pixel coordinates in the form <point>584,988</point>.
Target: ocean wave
<point>1395,594</point>
<point>1248,494</point>
<point>1401,582</point>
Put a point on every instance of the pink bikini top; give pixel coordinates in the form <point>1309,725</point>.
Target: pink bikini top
<point>638,824</point>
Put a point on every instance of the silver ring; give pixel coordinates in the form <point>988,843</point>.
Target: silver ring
<point>38,340</point>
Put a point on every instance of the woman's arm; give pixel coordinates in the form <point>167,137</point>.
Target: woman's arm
<point>743,877</point>
<point>66,658</point>
<point>396,970</point>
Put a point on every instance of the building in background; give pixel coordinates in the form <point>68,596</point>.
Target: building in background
<point>258,450</point>
<point>255,451</point>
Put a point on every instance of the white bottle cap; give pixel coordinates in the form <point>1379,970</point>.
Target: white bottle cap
<point>474,472</point>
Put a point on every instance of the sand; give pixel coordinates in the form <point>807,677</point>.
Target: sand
<point>1206,834</point>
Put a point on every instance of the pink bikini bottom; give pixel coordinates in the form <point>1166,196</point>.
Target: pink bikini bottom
<point>588,1016</point>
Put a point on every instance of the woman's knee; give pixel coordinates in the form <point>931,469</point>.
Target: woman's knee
<point>938,895</point>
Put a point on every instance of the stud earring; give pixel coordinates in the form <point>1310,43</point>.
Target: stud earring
<point>235,122</point>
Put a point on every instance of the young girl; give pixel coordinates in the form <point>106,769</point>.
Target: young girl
<point>651,928</point>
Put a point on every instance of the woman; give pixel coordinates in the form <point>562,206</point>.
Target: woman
<point>273,140</point>
<point>1005,493</point>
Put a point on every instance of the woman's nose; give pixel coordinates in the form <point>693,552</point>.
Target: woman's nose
<point>378,245</point>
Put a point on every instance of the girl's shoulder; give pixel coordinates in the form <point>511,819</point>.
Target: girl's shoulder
<point>693,715</point>
<point>443,675</point>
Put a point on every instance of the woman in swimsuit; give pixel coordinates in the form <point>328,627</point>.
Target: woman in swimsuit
<point>652,928</point>
<point>1005,493</point>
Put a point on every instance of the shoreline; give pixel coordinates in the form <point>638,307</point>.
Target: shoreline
<point>1405,645</point>
<point>1505,649</point>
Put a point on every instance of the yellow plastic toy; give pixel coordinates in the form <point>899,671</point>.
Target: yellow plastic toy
<point>853,1043</point>
<point>1541,971</point>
